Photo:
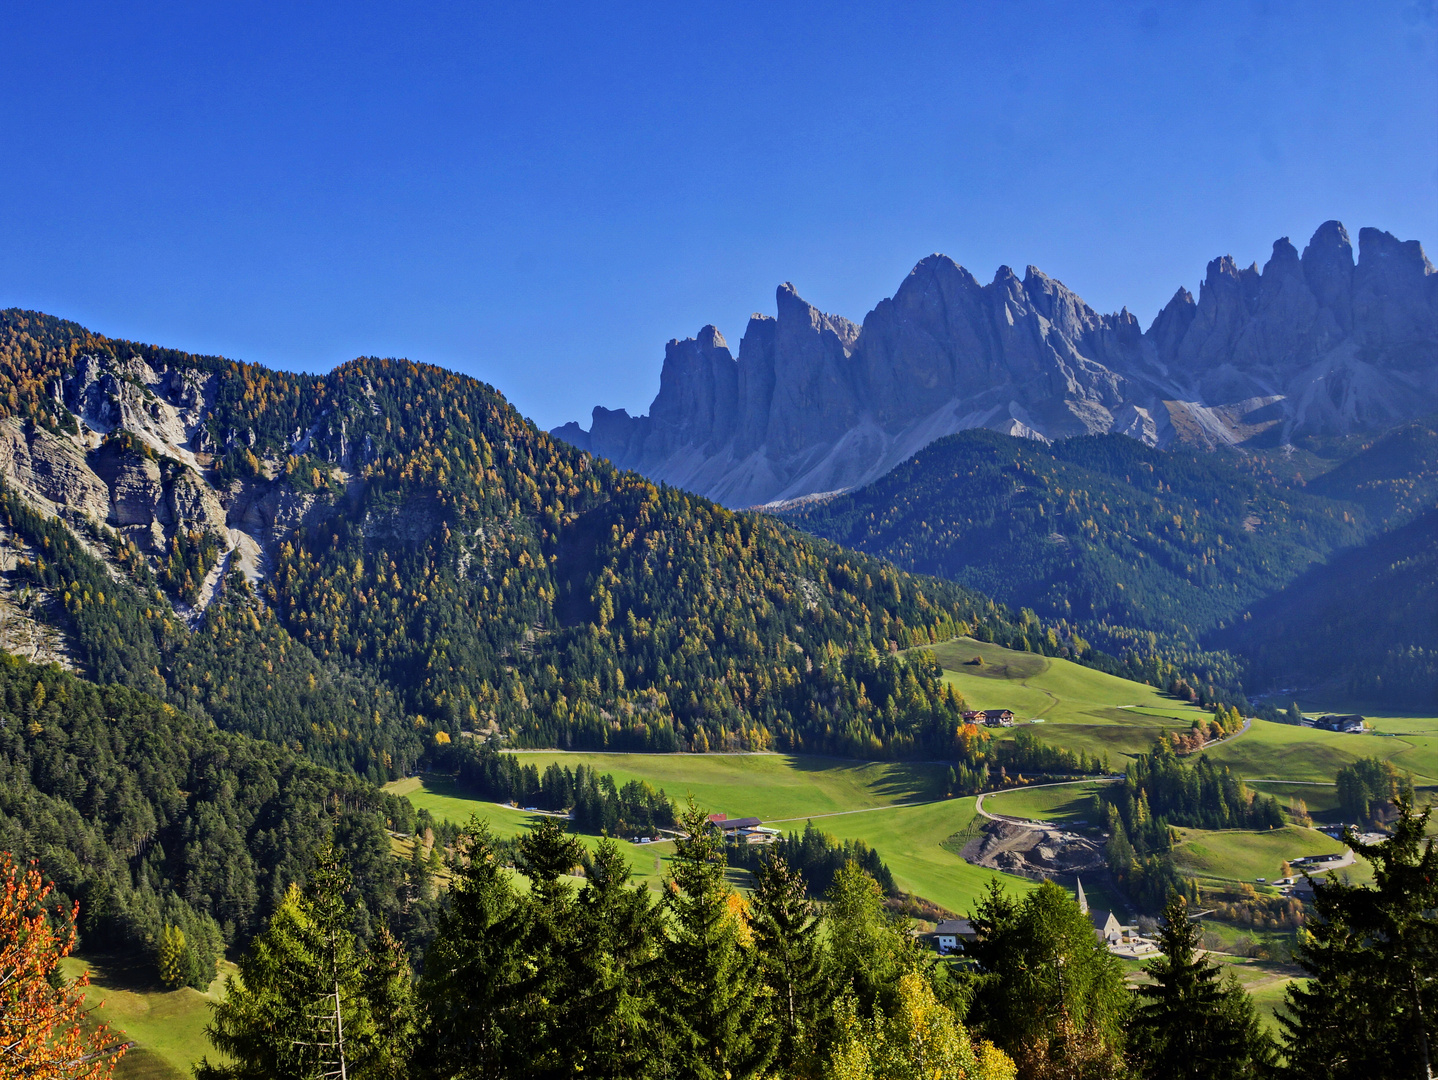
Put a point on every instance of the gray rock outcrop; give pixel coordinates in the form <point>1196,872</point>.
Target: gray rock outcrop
<point>812,403</point>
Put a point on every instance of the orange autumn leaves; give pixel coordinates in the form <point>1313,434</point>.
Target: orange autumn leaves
<point>42,1034</point>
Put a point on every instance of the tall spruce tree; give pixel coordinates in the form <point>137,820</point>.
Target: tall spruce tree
<point>387,1046</point>
<point>791,963</point>
<point>611,1021</point>
<point>538,1025</point>
<point>473,969</point>
<point>712,989</point>
<point>1048,993</point>
<point>302,1007</point>
<point>1192,1025</point>
<point>1370,1005</point>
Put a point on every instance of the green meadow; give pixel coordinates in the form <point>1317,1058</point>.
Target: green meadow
<point>1239,855</point>
<point>891,805</point>
<point>855,800</point>
<point>762,785</point>
<point>921,845</point>
<point>1284,752</point>
<point>167,1026</point>
<point>1061,804</point>
<point>1087,710</point>
<point>1081,709</point>
<point>440,796</point>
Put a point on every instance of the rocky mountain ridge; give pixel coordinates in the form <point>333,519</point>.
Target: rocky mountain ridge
<point>1311,343</point>
<point>137,456</point>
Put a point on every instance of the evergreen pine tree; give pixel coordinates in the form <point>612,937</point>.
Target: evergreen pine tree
<point>1049,994</point>
<point>300,1008</point>
<point>712,989</point>
<point>174,960</point>
<point>537,1026</point>
<point>388,1045</point>
<point>419,878</point>
<point>791,961</point>
<point>474,967</point>
<point>1190,1024</point>
<point>611,1020</point>
<point>1370,1005</point>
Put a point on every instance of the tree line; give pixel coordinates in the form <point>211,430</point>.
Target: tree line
<point>594,801</point>
<point>601,979</point>
<point>1159,792</point>
<point>1369,790</point>
<point>816,857</point>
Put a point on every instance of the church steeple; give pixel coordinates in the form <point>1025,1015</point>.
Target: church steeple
<point>1082,899</point>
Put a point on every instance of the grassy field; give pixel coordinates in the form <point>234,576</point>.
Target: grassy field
<point>441,798</point>
<point>921,846</point>
<point>850,800</point>
<point>1086,710</point>
<point>1068,804</point>
<point>1284,752</point>
<point>1321,800</point>
<point>1235,855</point>
<point>1082,709</point>
<point>762,785</point>
<point>168,1026</point>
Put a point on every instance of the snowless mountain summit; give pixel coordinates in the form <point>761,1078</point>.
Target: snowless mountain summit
<point>1311,343</point>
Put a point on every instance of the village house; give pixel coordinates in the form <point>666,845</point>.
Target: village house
<point>998,717</point>
<point>1350,723</point>
<point>950,933</point>
<point>745,830</point>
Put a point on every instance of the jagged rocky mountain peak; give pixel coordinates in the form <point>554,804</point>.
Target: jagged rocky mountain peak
<point>1375,246</point>
<point>1316,341</point>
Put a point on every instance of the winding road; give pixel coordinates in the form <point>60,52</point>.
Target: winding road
<point>1026,822</point>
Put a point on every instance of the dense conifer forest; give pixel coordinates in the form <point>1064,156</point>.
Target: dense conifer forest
<point>151,818</point>
<point>460,570</point>
<point>600,978</point>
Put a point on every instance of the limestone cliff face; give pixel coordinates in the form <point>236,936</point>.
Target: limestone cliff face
<point>137,462</point>
<point>1310,343</point>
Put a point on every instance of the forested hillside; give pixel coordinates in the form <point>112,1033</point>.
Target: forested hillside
<point>1363,627</point>
<point>1169,552</point>
<point>431,563</point>
<point>1101,530</point>
<point>153,819</point>
<point>1393,477</point>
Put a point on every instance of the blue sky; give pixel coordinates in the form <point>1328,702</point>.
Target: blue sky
<point>542,195</point>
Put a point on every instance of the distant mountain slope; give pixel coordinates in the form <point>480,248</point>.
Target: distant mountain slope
<point>360,563</point>
<point>1310,344</point>
<point>1393,476</point>
<point>1099,530</point>
<point>1363,627</point>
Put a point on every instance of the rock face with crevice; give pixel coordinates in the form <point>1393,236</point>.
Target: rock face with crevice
<point>136,460</point>
<point>1310,343</point>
